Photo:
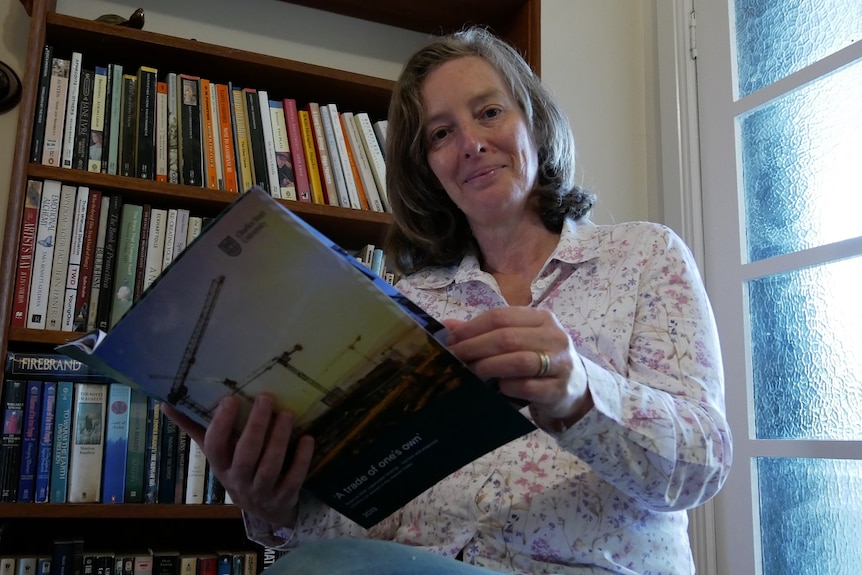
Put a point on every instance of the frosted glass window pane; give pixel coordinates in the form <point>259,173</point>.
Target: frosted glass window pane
<point>802,174</point>
<point>810,516</point>
<point>775,38</point>
<point>806,352</point>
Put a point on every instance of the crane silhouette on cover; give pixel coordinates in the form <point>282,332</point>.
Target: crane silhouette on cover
<point>179,392</point>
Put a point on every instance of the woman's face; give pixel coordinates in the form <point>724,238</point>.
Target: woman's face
<point>479,144</point>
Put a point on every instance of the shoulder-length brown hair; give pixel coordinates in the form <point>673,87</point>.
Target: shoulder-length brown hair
<point>429,228</point>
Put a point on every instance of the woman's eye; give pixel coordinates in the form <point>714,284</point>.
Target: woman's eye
<point>492,112</point>
<point>437,135</point>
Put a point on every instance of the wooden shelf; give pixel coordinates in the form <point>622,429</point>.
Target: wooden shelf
<point>119,511</point>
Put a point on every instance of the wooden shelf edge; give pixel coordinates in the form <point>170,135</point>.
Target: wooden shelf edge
<point>119,511</point>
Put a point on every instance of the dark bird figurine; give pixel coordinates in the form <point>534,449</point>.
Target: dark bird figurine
<point>136,20</point>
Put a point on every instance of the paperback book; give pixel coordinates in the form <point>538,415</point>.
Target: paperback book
<point>361,367</point>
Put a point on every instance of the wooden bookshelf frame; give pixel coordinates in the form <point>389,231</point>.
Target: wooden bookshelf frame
<point>516,20</point>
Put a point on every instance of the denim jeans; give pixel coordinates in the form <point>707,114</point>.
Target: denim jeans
<point>368,557</point>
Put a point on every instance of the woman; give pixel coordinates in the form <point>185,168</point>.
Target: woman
<point>605,331</point>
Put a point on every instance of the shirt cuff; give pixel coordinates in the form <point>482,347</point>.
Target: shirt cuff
<point>265,533</point>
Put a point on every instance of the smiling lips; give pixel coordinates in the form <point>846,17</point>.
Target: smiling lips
<point>482,173</point>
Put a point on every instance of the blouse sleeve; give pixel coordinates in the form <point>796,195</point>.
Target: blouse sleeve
<point>658,430</point>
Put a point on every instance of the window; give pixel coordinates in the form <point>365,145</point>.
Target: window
<point>779,95</point>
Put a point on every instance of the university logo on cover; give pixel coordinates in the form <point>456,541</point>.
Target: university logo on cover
<point>230,246</point>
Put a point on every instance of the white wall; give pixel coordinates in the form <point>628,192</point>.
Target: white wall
<point>593,59</point>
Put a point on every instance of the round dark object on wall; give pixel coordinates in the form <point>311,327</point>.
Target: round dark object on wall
<point>10,88</point>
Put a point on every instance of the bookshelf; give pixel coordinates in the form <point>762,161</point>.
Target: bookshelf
<point>24,525</point>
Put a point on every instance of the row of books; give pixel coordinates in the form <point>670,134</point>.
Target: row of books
<point>85,256</point>
<point>186,129</point>
<point>71,435</point>
<point>374,258</point>
<point>72,557</point>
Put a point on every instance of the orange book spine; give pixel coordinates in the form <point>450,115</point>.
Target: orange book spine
<point>208,136</point>
<point>313,169</point>
<point>226,139</point>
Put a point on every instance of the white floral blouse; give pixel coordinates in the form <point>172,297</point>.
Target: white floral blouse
<point>610,493</point>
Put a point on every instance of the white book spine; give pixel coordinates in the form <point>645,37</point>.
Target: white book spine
<point>362,164</point>
<point>173,130</point>
<point>76,248</point>
<point>60,264</point>
<point>197,473</point>
<point>269,144</point>
<point>323,154</point>
<point>155,246</point>
<point>87,442</point>
<point>52,146</point>
<point>337,173</point>
<point>341,145</point>
<point>71,123</point>
<point>43,255</point>
<point>375,155</point>
<point>97,123</point>
<point>196,224</point>
<point>170,230</point>
<point>181,231</point>
<point>281,142</point>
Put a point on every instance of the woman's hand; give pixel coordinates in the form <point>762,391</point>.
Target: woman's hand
<point>509,344</point>
<point>252,467</point>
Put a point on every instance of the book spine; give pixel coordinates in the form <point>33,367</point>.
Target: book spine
<point>161,131</point>
<point>173,130</point>
<point>323,158</point>
<point>245,166</point>
<point>110,103</point>
<point>208,137</point>
<point>133,488</point>
<point>294,134</point>
<point>96,143</point>
<point>183,441</point>
<point>365,129</point>
<point>216,136</point>
<point>255,136</point>
<point>196,476</point>
<point>128,123</point>
<point>181,230</point>
<point>76,249</point>
<point>189,134</point>
<point>351,163</point>
<point>30,442</point>
<point>141,256</point>
<point>214,492</point>
<point>116,443</point>
<point>167,477</point>
<point>81,142</point>
<point>151,453</point>
<point>340,144</point>
<point>37,140</point>
<point>268,144</point>
<point>380,127</point>
<point>43,255</point>
<point>87,443</point>
<point>71,118</point>
<point>62,432</point>
<point>226,138</point>
<point>60,263</point>
<point>145,127</point>
<point>26,247</point>
<point>127,259</point>
<point>46,442</point>
<point>337,173</point>
<point>362,164</point>
<point>196,224</point>
<point>155,246</point>
<point>98,264</point>
<point>56,113</point>
<point>284,161</point>
<point>88,256</point>
<point>170,233</point>
<point>313,170</point>
<point>115,129</point>
<point>109,262</point>
<point>14,397</point>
